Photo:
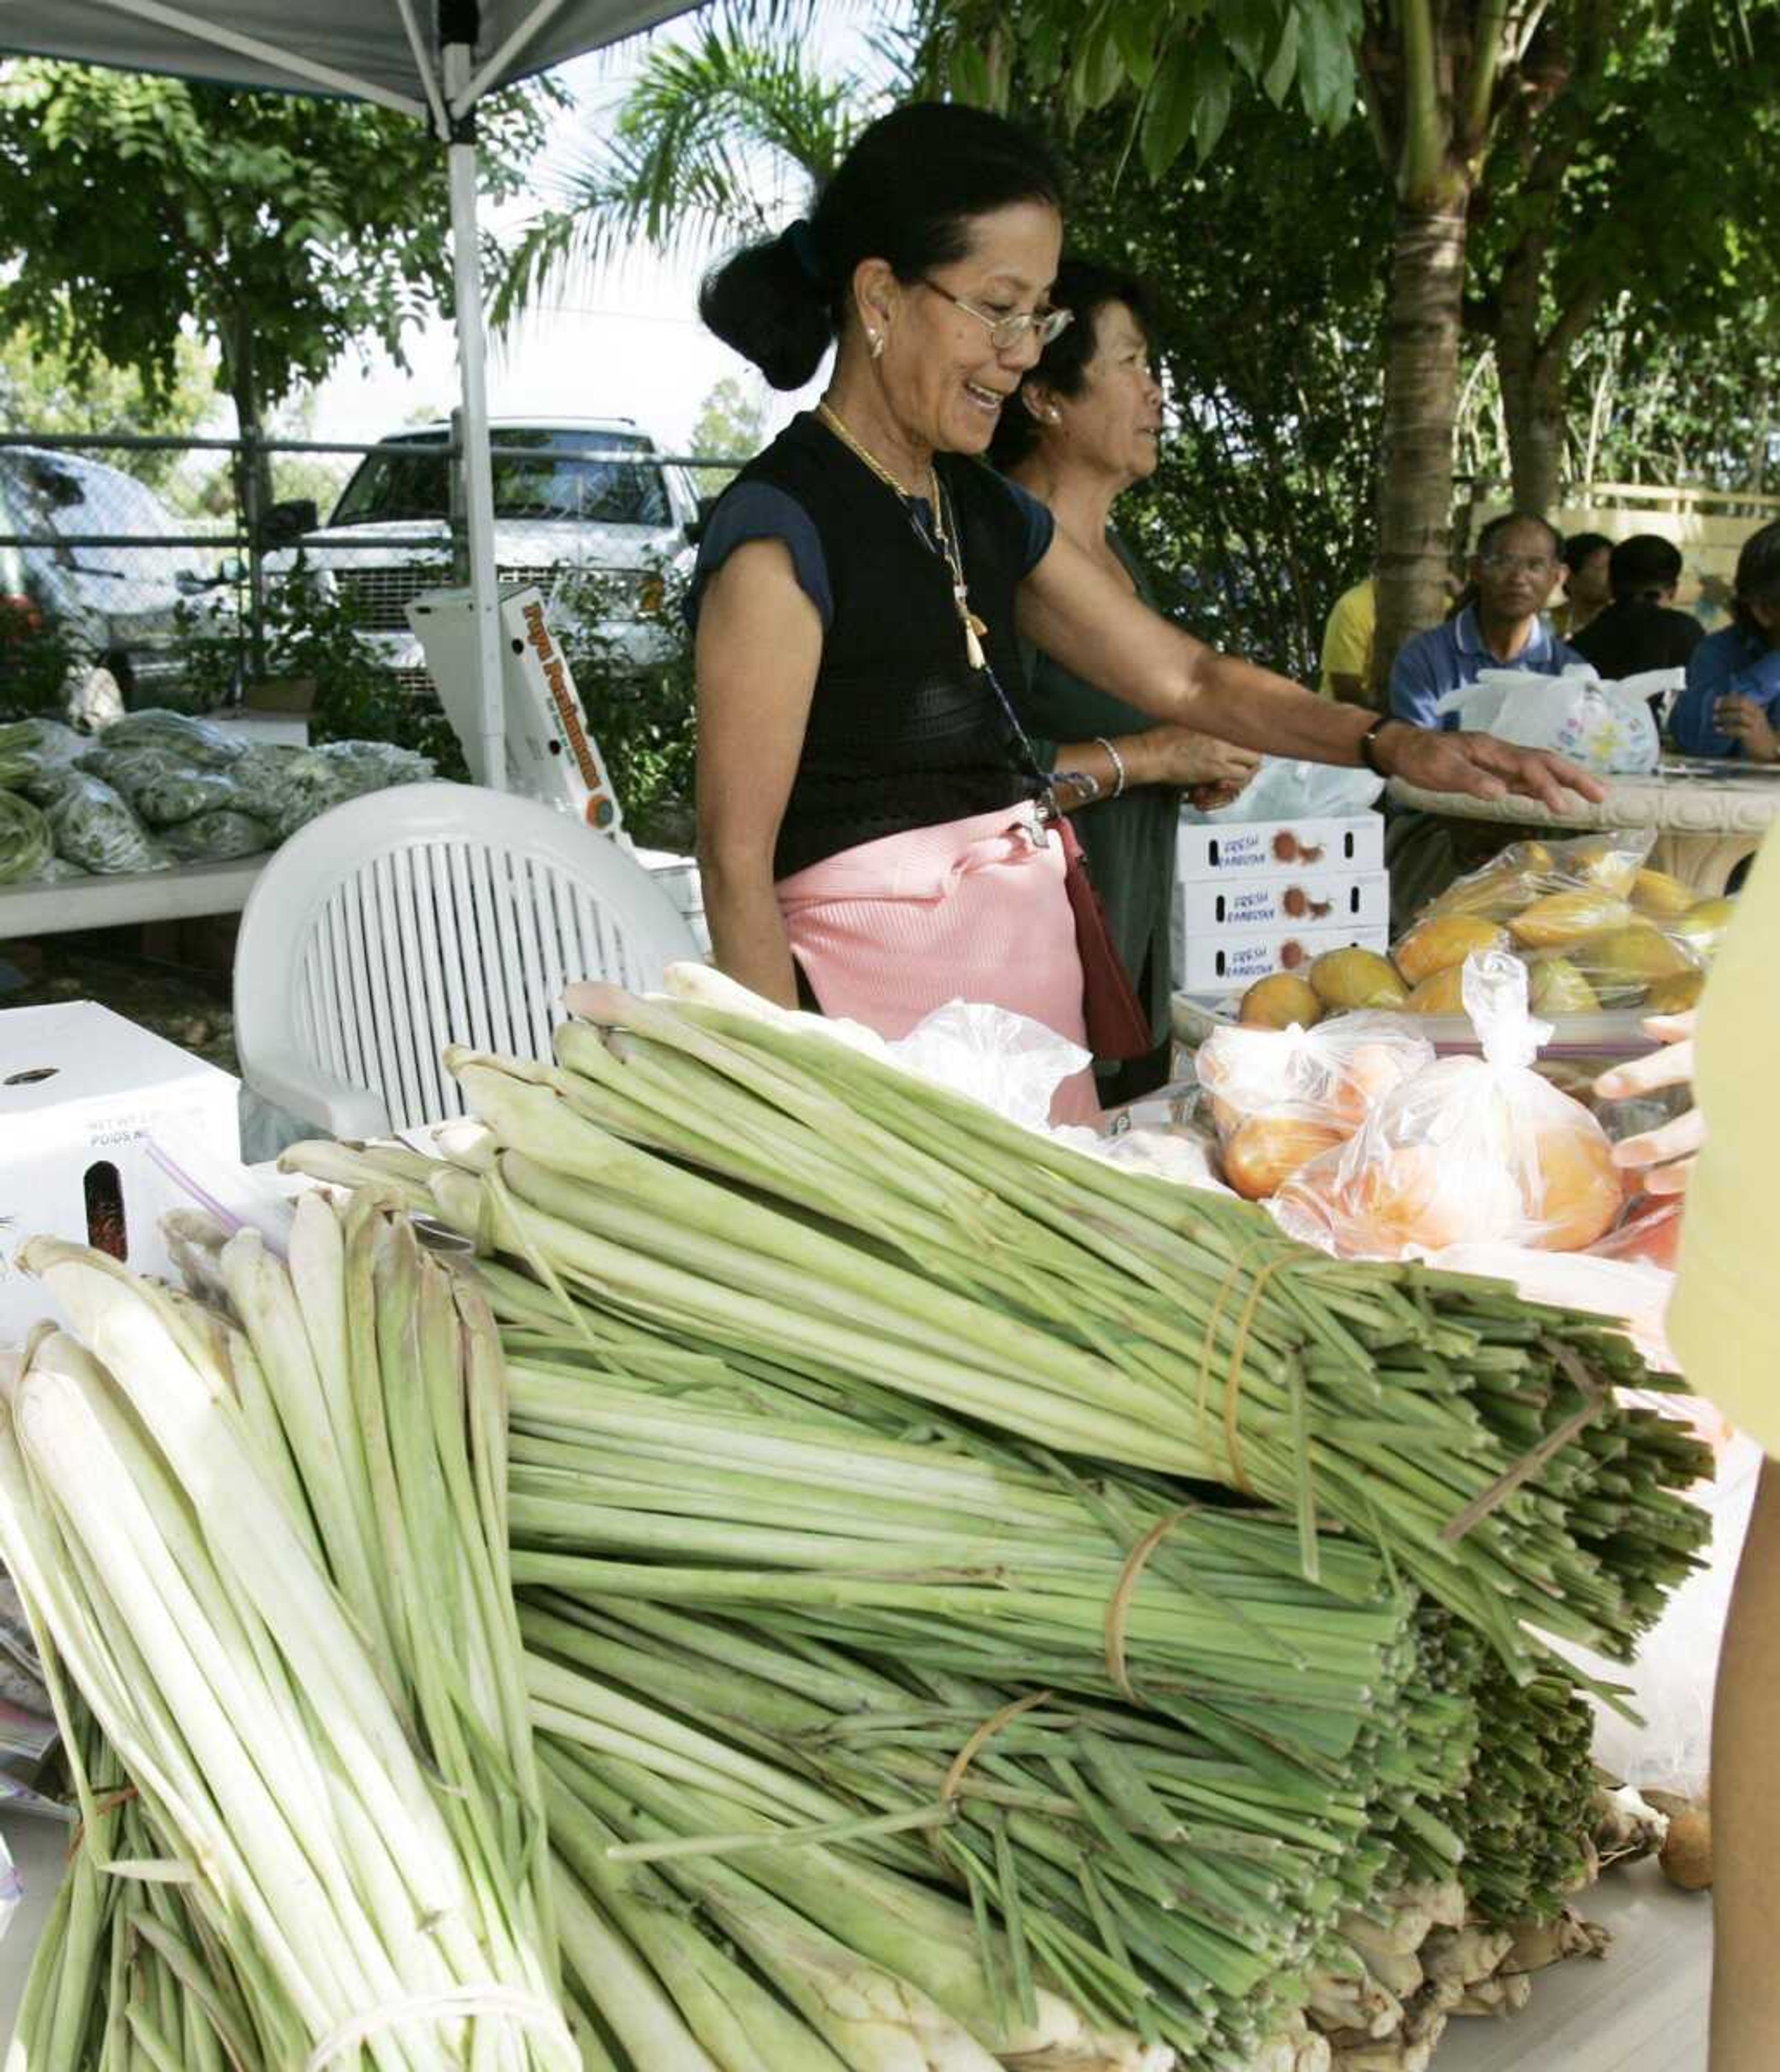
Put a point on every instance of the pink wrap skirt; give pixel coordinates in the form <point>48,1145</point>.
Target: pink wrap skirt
<point>971,910</point>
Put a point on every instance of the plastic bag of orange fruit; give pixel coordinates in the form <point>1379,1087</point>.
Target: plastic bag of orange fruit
<point>1280,1097</point>
<point>1469,1151</point>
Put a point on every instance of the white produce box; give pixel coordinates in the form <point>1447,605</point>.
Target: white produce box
<point>1310,899</point>
<point>83,1095</point>
<point>1227,961</point>
<point>1347,846</point>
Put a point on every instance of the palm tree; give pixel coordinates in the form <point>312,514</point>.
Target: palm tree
<point>711,145</point>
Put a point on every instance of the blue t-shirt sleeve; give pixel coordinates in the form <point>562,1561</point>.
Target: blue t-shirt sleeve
<point>1721,666</point>
<point>758,510</point>
<point>1415,685</point>
<point>1041,526</point>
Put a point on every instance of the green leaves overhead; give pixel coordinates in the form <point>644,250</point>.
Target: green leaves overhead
<point>1179,64</point>
<point>135,210</point>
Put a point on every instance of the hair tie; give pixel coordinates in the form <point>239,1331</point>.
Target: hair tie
<point>798,238</point>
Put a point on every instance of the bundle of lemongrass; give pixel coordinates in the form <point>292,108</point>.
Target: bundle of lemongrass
<point>743,1181</point>
<point>269,1554</point>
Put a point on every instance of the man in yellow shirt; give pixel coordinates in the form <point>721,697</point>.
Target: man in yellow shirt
<point>1347,645</point>
<point>1724,1325</point>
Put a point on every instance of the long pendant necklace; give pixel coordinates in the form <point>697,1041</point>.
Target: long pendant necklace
<point>943,541</point>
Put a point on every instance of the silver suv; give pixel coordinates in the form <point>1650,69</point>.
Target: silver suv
<point>562,516</point>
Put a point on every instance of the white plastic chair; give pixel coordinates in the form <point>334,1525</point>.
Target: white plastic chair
<point>424,915</point>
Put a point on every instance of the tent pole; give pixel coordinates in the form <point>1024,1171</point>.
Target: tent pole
<point>489,764</point>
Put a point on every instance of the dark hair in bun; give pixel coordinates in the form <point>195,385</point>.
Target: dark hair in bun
<point>907,194</point>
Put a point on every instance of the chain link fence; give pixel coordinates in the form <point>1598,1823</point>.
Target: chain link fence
<point>140,571</point>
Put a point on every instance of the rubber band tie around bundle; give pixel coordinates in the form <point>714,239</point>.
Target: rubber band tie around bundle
<point>980,1738</point>
<point>1118,1607</point>
<point>1239,1354</point>
<point>108,1804</point>
<point>456,2003</point>
<point>1595,1400</point>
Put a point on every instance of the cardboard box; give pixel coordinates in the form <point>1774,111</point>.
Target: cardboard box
<point>1253,900</point>
<point>1346,847</point>
<point>1226,962</point>
<point>85,1097</point>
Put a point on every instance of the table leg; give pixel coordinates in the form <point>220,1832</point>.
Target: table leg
<point>1702,861</point>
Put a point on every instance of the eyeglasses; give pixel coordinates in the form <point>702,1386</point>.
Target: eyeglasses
<point>1534,564</point>
<point>1005,333</point>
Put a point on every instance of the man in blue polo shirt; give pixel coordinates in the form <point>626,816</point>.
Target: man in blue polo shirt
<point>1513,572</point>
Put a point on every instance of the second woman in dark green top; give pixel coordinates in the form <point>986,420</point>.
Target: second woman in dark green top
<point>1085,427</point>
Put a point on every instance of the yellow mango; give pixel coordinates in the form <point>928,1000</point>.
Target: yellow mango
<point>1599,860</point>
<point>1278,1002</point>
<point>1675,995</point>
<point>1440,993</point>
<point>1655,893</point>
<point>1491,896</point>
<point>1562,918</point>
<point>1356,978</point>
<point>1703,926</point>
<point>1624,963</point>
<point>1444,939</point>
<point>1555,986</point>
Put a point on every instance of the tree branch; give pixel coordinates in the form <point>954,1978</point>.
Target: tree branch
<point>1425,139</point>
<point>1487,48</point>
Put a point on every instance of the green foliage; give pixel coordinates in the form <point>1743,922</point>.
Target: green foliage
<point>281,229</point>
<point>40,391</point>
<point>714,142</point>
<point>644,719</point>
<point>312,635</point>
<point>731,421</point>
<point>1268,289</point>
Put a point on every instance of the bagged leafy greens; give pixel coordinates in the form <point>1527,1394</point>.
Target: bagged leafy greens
<point>93,826</point>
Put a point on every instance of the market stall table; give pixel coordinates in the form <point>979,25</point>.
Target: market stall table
<point>115,902</point>
<point>1708,815</point>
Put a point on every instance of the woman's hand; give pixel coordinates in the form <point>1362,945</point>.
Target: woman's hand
<point>1479,766</point>
<point>1183,756</point>
<point>1747,724</point>
<point>1662,1158</point>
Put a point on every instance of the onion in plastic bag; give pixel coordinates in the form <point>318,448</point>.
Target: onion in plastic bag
<point>24,839</point>
<point>1470,1151</point>
<point>94,827</point>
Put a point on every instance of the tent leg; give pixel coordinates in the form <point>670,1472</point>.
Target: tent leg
<point>488,759</point>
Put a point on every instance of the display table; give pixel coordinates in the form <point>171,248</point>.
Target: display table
<point>113,903</point>
<point>1707,815</point>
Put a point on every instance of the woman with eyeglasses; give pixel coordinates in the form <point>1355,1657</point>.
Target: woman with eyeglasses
<point>875,834</point>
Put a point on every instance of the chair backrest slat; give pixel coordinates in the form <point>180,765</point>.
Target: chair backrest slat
<point>430,914</point>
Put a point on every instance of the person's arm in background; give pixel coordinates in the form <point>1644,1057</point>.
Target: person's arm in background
<point>1745,707</point>
<point>1214,771</point>
<point>1694,723</point>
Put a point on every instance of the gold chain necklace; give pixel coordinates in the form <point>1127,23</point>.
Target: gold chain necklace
<point>945,544</point>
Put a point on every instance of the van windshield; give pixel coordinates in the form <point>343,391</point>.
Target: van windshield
<point>538,476</point>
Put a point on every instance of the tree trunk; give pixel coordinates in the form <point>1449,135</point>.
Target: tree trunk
<point>1420,409</point>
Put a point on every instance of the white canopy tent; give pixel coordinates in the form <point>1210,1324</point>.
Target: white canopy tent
<point>433,60</point>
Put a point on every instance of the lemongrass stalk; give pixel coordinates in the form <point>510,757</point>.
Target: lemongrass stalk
<point>640,2014</point>
<point>744,2028</point>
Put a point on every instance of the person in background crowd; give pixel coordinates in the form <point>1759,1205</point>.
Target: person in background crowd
<point>1641,630</point>
<point>1733,678</point>
<point>874,837</point>
<point>1347,641</point>
<point>1513,570</point>
<point>1587,589</point>
<point>1725,1328</point>
<point>1085,425</point>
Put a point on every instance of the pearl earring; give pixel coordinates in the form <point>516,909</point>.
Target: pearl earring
<point>1053,416</point>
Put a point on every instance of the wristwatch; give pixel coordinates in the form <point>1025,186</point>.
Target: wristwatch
<point>1368,743</point>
